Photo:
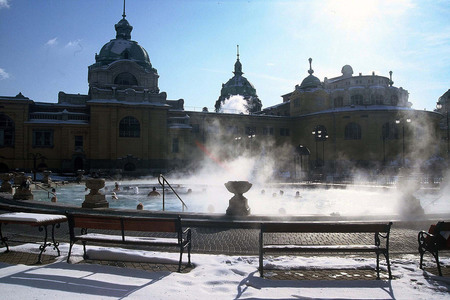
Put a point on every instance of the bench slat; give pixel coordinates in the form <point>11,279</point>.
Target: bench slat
<point>322,248</point>
<point>108,238</point>
<point>325,227</point>
<point>96,223</point>
<point>156,225</point>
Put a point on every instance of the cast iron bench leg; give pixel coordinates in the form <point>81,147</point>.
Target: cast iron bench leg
<point>70,251</point>
<point>386,254</point>
<point>4,239</point>
<point>436,256</point>
<point>55,243</point>
<point>44,245</point>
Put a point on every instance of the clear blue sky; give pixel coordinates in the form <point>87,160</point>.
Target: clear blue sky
<point>46,46</point>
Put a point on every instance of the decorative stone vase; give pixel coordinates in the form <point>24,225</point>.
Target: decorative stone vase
<point>80,175</point>
<point>238,204</point>
<point>6,185</point>
<point>46,180</point>
<point>23,189</point>
<point>95,199</point>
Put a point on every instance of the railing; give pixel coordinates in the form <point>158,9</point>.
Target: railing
<point>38,186</point>
<point>164,181</point>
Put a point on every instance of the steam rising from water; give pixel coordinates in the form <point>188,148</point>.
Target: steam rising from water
<point>234,105</point>
<point>260,160</point>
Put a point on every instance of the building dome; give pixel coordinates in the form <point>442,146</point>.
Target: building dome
<point>122,47</point>
<point>347,71</point>
<point>310,81</point>
<point>239,85</point>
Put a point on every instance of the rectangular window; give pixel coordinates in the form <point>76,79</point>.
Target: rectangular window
<point>250,130</point>
<point>175,148</point>
<point>2,137</point>
<point>271,131</point>
<point>78,143</point>
<point>265,131</point>
<point>43,138</point>
<point>284,132</point>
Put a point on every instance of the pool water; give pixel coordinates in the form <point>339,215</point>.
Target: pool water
<point>351,201</point>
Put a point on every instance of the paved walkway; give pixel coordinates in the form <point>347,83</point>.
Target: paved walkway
<point>234,241</point>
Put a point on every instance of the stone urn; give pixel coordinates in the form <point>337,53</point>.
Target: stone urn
<point>238,205</point>
<point>80,175</point>
<point>46,180</point>
<point>95,199</point>
<point>6,185</point>
<point>23,187</point>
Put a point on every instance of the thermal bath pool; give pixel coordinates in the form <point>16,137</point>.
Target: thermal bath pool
<point>280,200</point>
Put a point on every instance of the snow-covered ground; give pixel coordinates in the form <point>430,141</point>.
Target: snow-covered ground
<point>214,276</point>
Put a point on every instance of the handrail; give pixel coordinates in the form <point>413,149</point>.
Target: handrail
<point>43,188</point>
<point>164,180</point>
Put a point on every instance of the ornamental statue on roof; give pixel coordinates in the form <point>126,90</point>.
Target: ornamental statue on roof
<point>239,85</point>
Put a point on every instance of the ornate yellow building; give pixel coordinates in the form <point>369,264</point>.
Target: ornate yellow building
<point>126,124</point>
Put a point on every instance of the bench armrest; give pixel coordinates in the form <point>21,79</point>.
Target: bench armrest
<point>425,237</point>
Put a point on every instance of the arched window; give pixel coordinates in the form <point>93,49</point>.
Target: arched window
<point>338,102</point>
<point>129,127</point>
<point>125,78</point>
<point>357,99</point>
<point>389,131</point>
<point>6,131</point>
<point>352,131</point>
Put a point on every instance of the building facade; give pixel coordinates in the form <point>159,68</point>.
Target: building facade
<point>126,124</point>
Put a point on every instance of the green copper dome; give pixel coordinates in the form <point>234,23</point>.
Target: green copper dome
<point>310,81</point>
<point>122,47</point>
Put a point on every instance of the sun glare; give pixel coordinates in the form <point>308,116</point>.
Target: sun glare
<point>352,15</point>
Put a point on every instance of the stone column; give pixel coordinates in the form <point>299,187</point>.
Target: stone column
<point>6,185</point>
<point>23,189</point>
<point>95,199</point>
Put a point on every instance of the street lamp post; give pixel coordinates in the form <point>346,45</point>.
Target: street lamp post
<point>251,136</point>
<point>440,106</point>
<point>399,121</point>
<point>301,151</point>
<point>320,135</point>
<point>35,157</point>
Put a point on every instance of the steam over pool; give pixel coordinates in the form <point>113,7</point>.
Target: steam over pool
<point>280,200</point>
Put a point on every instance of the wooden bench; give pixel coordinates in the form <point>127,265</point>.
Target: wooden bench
<point>41,221</point>
<point>124,227</point>
<point>436,239</point>
<point>380,230</point>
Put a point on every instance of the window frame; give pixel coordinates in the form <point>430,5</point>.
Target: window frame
<point>352,131</point>
<point>7,129</point>
<point>43,138</point>
<point>129,127</point>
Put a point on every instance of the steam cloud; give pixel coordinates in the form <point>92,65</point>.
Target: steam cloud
<point>234,105</point>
